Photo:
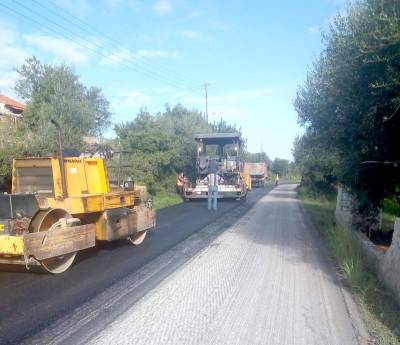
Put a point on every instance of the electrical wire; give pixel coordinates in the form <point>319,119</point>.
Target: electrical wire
<point>93,29</point>
<point>81,44</point>
<point>117,44</point>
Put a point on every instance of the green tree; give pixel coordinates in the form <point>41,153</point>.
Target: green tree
<point>352,88</point>
<point>318,167</point>
<point>161,145</point>
<point>56,92</point>
<point>280,166</point>
<point>224,127</point>
<point>51,92</point>
<point>257,157</point>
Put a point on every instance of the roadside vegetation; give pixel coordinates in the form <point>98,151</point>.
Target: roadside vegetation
<point>166,198</point>
<point>157,146</point>
<point>349,107</point>
<point>377,307</point>
<point>391,210</point>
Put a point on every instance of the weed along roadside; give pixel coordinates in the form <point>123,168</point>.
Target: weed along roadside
<point>377,306</point>
<point>164,199</point>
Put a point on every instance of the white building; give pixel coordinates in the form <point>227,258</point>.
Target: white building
<point>10,112</point>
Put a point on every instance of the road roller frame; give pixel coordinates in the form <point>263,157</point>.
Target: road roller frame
<point>61,205</point>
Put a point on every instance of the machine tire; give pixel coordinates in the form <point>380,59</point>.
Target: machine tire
<point>43,221</point>
<point>137,238</point>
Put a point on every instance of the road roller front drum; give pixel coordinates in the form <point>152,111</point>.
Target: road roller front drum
<point>52,220</point>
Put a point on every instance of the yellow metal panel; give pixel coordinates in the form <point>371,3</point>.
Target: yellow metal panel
<point>55,164</point>
<point>40,162</point>
<point>11,245</point>
<point>94,203</point>
<point>96,176</point>
<point>78,205</point>
<point>115,200</point>
<point>104,177</point>
<point>75,176</point>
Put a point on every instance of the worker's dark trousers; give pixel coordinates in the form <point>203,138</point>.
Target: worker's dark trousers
<point>212,197</point>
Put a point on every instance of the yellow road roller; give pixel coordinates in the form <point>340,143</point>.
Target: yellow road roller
<point>60,205</point>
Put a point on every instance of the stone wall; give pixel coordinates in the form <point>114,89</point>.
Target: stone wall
<point>385,264</point>
<point>343,209</point>
<point>390,265</point>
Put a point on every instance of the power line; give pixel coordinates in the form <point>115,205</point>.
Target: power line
<point>148,72</point>
<point>79,43</point>
<point>178,98</point>
<point>92,30</point>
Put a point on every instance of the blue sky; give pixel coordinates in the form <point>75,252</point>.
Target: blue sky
<point>146,53</point>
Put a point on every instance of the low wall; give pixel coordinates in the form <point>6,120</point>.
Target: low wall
<point>390,266</point>
<point>385,264</point>
<point>344,202</point>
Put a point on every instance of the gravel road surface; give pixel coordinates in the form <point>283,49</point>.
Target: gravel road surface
<point>265,280</point>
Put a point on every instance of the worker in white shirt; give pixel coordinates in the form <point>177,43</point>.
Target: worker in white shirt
<point>213,180</point>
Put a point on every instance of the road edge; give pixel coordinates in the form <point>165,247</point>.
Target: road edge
<point>361,331</point>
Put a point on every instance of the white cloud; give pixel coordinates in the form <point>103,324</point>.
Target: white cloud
<point>133,97</point>
<point>244,95</point>
<point>229,105</point>
<point>117,57</point>
<point>226,112</point>
<point>118,4</point>
<point>79,8</point>
<point>7,82</point>
<point>162,7</point>
<point>155,54</point>
<point>125,55</point>
<point>127,101</point>
<point>61,49</point>
<point>314,30</point>
<point>11,54</point>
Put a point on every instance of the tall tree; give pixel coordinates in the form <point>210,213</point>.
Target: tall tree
<point>55,92</point>
<point>51,92</point>
<point>350,91</point>
<point>161,145</point>
<point>280,166</point>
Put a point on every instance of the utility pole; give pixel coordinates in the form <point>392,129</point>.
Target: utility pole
<point>261,153</point>
<point>205,89</point>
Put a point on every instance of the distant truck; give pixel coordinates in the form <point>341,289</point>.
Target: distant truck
<point>258,173</point>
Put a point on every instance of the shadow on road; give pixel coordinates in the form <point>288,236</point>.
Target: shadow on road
<point>289,231</point>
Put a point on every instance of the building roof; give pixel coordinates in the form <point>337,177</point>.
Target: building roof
<point>12,103</point>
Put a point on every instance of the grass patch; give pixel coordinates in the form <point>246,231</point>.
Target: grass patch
<point>164,199</point>
<point>391,210</point>
<point>380,312</point>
